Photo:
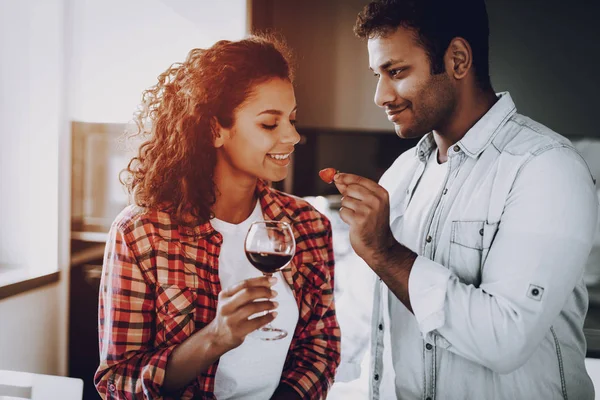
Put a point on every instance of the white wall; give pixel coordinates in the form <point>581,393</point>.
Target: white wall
<point>31,115</point>
<point>120,47</point>
<point>32,118</point>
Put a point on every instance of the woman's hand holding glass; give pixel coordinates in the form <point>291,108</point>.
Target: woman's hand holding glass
<point>238,303</point>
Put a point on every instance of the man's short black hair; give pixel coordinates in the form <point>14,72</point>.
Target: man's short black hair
<point>436,23</point>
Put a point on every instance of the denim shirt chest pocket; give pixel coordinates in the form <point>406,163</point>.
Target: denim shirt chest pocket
<point>470,243</point>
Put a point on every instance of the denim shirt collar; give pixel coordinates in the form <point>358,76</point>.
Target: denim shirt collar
<point>480,136</point>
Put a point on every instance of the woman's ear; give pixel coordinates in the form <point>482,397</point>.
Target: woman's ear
<point>219,133</point>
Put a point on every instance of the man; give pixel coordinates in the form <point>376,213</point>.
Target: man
<point>479,235</point>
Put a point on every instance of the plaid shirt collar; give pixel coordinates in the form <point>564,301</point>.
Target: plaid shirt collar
<point>272,206</point>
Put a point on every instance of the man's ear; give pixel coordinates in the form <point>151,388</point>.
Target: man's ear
<point>458,58</point>
<point>219,133</point>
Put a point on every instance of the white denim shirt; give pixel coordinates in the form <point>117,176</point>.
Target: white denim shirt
<point>497,290</point>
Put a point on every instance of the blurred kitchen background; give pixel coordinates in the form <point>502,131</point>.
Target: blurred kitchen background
<point>71,76</point>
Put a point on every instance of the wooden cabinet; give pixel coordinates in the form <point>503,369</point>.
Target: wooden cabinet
<point>86,269</point>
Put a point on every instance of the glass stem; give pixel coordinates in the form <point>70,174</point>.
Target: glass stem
<point>267,326</point>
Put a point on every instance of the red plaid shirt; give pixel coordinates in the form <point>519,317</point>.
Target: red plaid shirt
<point>160,284</point>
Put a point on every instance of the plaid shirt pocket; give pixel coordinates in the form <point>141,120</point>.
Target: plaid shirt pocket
<point>175,316</point>
<point>312,276</point>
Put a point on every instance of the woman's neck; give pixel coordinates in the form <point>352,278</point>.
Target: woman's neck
<point>235,200</point>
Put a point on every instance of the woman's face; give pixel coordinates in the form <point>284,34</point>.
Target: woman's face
<point>263,135</point>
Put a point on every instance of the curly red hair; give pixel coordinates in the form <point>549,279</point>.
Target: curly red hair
<point>174,168</point>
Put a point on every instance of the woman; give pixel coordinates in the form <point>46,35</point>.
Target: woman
<point>220,127</point>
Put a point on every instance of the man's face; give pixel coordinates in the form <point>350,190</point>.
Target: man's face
<point>415,101</point>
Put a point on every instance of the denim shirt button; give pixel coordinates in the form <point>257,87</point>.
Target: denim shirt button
<point>380,327</point>
<point>428,240</point>
<point>457,148</point>
<point>428,346</point>
<point>376,377</point>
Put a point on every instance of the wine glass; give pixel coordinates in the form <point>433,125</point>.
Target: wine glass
<point>269,246</point>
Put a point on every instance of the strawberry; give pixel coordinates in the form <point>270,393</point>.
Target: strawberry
<point>327,174</point>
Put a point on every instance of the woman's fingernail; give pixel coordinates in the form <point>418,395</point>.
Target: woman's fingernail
<point>275,304</point>
<point>273,313</point>
<point>272,280</point>
<point>273,293</point>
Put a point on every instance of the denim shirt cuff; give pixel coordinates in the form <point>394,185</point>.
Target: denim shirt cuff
<point>348,371</point>
<point>427,287</point>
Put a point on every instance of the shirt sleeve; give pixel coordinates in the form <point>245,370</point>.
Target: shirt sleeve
<point>427,288</point>
<point>315,353</point>
<point>130,366</point>
<point>535,261</point>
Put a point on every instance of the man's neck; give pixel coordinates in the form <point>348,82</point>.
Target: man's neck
<point>471,107</point>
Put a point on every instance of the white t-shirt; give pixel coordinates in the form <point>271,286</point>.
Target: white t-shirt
<point>412,236</point>
<point>415,217</point>
<point>252,370</point>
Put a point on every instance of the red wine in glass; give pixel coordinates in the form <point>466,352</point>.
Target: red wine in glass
<point>268,263</point>
<point>269,246</point>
